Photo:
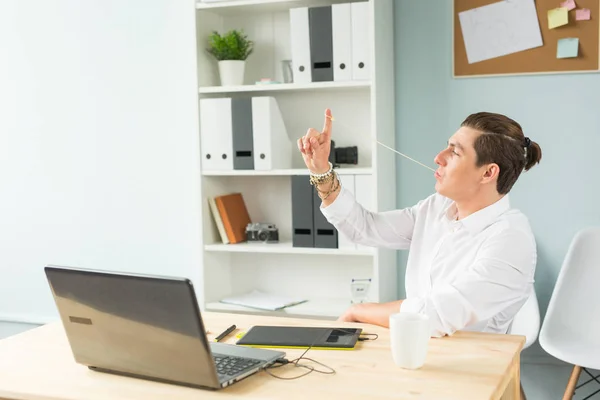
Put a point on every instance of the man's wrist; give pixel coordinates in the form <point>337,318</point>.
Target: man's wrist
<point>321,171</point>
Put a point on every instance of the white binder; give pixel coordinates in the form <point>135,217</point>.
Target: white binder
<point>341,22</point>
<point>347,181</point>
<point>216,134</point>
<point>361,62</point>
<point>300,42</point>
<point>272,146</point>
<point>363,184</point>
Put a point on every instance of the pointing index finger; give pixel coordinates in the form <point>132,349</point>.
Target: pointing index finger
<point>327,125</point>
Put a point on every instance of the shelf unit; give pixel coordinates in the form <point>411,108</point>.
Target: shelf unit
<point>286,87</point>
<point>237,7</point>
<point>363,111</point>
<point>285,247</point>
<point>279,172</point>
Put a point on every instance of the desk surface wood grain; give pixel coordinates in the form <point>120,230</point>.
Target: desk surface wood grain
<point>38,364</point>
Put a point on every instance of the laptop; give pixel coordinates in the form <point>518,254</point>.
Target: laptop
<point>147,327</point>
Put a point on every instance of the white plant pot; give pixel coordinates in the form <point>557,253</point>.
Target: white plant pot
<point>232,72</point>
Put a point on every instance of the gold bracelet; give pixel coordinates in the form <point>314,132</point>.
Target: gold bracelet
<point>329,180</point>
<point>318,180</point>
<point>335,185</point>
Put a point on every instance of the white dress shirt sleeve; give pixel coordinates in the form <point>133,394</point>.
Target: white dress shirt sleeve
<point>389,229</point>
<point>501,276</point>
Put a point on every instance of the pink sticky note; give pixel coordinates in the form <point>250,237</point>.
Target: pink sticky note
<point>582,14</point>
<point>568,4</point>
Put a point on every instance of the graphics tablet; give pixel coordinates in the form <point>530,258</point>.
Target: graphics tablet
<point>301,337</point>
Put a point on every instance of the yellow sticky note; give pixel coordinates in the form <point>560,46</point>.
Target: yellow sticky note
<point>558,17</point>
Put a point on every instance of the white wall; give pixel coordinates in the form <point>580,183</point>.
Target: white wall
<point>99,150</point>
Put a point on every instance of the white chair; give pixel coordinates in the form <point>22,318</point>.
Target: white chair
<point>527,323</point>
<point>570,330</point>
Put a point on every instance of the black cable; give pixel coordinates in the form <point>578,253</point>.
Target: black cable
<point>295,362</point>
<point>296,365</point>
<point>283,361</point>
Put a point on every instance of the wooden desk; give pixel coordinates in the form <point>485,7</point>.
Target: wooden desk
<point>38,364</point>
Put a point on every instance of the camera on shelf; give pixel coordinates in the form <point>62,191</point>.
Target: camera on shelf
<point>262,232</point>
<point>343,155</point>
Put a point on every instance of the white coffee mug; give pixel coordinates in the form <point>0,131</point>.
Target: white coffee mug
<point>409,337</point>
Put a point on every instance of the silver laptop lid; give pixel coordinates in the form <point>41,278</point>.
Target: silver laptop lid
<point>143,326</point>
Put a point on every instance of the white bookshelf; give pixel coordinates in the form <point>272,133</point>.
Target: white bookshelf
<point>286,87</point>
<point>288,172</point>
<point>285,247</point>
<point>363,111</point>
<point>236,7</point>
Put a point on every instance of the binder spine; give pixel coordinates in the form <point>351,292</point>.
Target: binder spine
<point>302,212</point>
<point>321,43</point>
<point>243,149</point>
<point>326,235</point>
<point>341,28</point>
<point>300,41</point>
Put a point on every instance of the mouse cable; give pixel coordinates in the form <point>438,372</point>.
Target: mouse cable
<point>310,368</point>
<point>330,371</point>
<point>283,361</point>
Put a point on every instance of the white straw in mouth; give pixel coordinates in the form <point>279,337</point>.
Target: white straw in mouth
<point>387,147</point>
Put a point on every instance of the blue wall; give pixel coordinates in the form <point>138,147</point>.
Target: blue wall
<point>560,112</point>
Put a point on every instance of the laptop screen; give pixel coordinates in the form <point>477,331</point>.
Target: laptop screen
<point>139,325</point>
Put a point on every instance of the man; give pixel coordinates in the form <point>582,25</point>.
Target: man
<point>472,258</point>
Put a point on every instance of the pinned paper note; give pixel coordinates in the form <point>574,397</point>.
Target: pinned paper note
<point>558,17</point>
<point>567,48</point>
<point>568,4</point>
<point>582,14</point>
<point>499,29</point>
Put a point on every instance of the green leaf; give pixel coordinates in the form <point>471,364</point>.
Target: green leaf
<point>233,45</point>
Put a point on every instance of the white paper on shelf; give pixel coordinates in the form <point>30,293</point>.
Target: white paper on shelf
<point>263,301</point>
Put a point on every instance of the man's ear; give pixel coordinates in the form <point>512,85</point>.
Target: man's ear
<point>490,172</point>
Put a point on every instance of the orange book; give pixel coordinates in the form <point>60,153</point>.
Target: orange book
<point>234,215</point>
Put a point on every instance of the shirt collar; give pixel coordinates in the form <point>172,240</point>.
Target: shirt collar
<point>481,219</point>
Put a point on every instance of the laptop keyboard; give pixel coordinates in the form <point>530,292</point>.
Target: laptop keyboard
<point>228,366</point>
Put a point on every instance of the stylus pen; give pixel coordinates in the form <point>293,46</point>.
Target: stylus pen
<point>225,333</point>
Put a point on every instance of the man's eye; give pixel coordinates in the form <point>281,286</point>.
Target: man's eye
<point>455,152</point>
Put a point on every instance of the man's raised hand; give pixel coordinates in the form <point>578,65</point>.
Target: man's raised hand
<point>315,146</point>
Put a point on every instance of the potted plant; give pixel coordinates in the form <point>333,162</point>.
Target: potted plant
<point>231,51</point>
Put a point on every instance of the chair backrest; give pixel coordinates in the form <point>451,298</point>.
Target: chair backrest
<point>573,308</point>
<point>527,321</point>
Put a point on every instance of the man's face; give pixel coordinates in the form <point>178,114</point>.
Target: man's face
<point>457,176</point>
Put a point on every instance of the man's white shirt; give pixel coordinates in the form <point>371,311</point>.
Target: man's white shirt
<point>473,274</point>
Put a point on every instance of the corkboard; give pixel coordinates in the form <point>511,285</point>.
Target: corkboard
<point>541,59</point>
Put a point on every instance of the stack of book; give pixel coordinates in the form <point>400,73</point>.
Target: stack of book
<point>231,217</point>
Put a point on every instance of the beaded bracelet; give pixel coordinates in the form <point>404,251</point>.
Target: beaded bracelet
<point>321,180</point>
<point>322,175</point>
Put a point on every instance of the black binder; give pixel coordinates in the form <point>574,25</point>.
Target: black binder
<point>241,120</point>
<point>326,235</point>
<point>302,212</point>
<point>321,43</point>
